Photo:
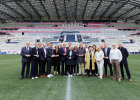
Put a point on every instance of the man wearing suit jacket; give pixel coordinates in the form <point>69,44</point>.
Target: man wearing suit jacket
<point>43,59</point>
<point>124,63</point>
<point>39,60</point>
<point>70,60</point>
<point>81,59</point>
<point>63,52</point>
<point>106,51</point>
<point>26,59</point>
<point>34,58</point>
<point>50,56</point>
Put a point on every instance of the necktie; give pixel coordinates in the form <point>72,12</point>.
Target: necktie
<point>45,52</point>
<point>105,51</point>
<point>27,48</point>
<point>37,51</point>
<point>64,50</point>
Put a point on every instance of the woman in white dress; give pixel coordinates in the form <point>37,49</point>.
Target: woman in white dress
<point>99,56</point>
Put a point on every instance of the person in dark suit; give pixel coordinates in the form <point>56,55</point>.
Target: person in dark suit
<point>26,59</point>
<point>43,59</point>
<point>76,67</point>
<point>50,56</point>
<point>106,51</point>
<point>63,58</point>
<point>96,68</point>
<point>124,63</point>
<point>70,60</point>
<point>81,59</point>
<point>39,60</point>
<point>56,61</point>
<point>34,59</point>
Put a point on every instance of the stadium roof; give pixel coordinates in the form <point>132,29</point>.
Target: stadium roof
<point>57,10</point>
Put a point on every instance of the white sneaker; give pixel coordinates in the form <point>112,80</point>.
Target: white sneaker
<point>48,76</point>
<point>71,76</point>
<point>51,75</point>
<point>36,77</point>
<point>32,78</point>
<point>101,77</point>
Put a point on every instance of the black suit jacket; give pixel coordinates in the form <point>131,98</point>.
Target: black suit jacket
<point>62,57</point>
<point>34,52</point>
<point>49,53</point>
<point>124,52</point>
<point>24,52</point>
<point>108,52</point>
<point>42,54</point>
<point>70,62</point>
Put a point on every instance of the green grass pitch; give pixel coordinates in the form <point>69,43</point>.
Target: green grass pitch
<point>55,88</point>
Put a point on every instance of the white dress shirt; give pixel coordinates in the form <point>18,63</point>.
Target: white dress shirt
<point>45,52</point>
<point>99,56</point>
<point>70,53</point>
<point>115,54</point>
<point>86,49</point>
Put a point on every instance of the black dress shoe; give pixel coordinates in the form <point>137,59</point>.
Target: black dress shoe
<point>21,78</point>
<point>26,77</point>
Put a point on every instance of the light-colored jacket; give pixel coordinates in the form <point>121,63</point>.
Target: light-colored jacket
<point>87,60</point>
<point>99,56</point>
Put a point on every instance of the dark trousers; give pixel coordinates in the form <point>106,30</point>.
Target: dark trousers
<point>90,69</point>
<point>42,69</point>
<point>24,64</point>
<point>70,69</point>
<point>34,68</point>
<point>107,62</point>
<point>49,66</point>
<point>57,68</point>
<point>96,69</point>
<point>40,66</point>
<point>76,67</point>
<point>125,64</point>
<point>63,63</point>
<point>66,69</point>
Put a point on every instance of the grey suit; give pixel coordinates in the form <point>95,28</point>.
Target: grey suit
<point>81,51</point>
<point>81,59</point>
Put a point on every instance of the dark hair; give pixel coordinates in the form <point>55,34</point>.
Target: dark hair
<point>89,47</point>
<point>57,45</point>
<point>94,46</point>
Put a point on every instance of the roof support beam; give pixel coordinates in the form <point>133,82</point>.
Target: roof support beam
<point>11,17</point>
<point>127,12</point>
<point>56,10</point>
<point>94,13</point>
<point>107,9</point>
<point>23,9</point>
<point>44,9</point>
<point>132,16</point>
<point>118,9</point>
<point>76,10</point>
<point>84,10</point>
<point>39,16</point>
<point>2,20</point>
<point>12,9</point>
<point>65,10</point>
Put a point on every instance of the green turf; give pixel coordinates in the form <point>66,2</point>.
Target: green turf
<point>11,88</point>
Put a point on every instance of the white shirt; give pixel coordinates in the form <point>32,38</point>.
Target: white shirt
<point>86,49</point>
<point>70,53</point>
<point>27,48</point>
<point>99,56</point>
<point>115,54</point>
<point>45,52</point>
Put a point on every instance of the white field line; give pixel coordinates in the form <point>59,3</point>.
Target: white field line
<point>68,89</point>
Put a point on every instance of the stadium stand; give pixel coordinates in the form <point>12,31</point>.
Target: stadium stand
<point>95,33</point>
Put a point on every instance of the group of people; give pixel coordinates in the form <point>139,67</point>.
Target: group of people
<point>81,61</point>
